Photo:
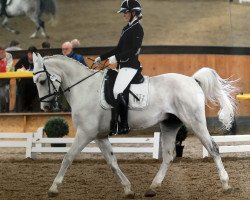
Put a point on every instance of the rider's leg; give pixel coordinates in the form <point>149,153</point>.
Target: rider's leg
<point>124,77</point>
<point>123,128</point>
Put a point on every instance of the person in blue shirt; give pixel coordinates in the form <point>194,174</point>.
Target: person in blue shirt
<point>67,50</point>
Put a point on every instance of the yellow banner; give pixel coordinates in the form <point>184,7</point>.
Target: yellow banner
<point>243,96</point>
<point>23,74</point>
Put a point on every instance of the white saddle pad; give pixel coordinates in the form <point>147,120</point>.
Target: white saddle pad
<point>140,90</point>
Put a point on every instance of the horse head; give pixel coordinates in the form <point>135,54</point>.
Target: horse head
<point>47,82</point>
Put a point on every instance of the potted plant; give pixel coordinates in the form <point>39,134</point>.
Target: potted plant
<point>56,127</point>
<point>180,137</point>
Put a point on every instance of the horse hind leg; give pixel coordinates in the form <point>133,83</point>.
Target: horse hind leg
<point>108,154</point>
<point>42,28</point>
<point>200,130</point>
<point>169,129</point>
<point>39,27</point>
<point>81,140</point>
<point>6,26</point>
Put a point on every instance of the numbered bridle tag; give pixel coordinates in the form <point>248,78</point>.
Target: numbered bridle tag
<point>53,77</point>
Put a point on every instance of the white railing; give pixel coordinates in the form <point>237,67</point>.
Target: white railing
<point>22,140</point>
<point>35,143</point>
<point>232,148</point>
<point>244,1</point>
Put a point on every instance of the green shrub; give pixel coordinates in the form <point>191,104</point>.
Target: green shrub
<point>56,127</point>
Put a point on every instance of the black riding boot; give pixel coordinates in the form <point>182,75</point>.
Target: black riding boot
<point>123,127</point>
<point>114,121</point>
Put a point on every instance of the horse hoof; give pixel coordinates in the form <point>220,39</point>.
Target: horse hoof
<point>130,195</point>
<point>228,191</point>
<point>52,194</point>
<point>150,193</point>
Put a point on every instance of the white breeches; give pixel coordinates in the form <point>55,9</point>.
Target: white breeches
<point>124,77</point>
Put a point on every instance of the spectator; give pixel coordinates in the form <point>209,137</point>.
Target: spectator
<point>5,66</point>
<point>75,43</point>
<point>14,46</point>
<point>45,45</point>
<point>26,89</point>
<point>67,50</point>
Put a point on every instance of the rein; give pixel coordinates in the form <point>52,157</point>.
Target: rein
<point>52,78</point>
<point>104,66</point>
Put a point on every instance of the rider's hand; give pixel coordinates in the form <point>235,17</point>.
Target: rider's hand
<point>98,61</point>
<point>112,60</point>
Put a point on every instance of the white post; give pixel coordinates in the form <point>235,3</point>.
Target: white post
<point>29,146</point>
<point>157,145</point>
<point>38,135</point>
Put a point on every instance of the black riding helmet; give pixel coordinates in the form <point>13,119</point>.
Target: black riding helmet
<point>130,6</point>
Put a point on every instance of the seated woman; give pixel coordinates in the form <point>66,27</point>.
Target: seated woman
<point>5,66</point>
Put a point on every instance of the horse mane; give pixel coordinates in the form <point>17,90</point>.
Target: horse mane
<point>62,57</point>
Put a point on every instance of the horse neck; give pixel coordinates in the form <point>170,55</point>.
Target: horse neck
<point>71,73</point>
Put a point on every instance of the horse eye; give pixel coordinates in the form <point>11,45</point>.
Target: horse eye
<point>42,82</point>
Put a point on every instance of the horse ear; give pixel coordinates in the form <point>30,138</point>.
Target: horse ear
<point>34,57</point>
<point>39,56</point>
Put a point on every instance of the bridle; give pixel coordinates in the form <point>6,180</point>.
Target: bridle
<point>52,78</point>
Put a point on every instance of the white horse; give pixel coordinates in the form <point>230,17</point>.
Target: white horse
<point>31,8</point>
<point>173,99</point>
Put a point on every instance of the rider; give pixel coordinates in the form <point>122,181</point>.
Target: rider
<point>3,8</point>
<point>126,55</point>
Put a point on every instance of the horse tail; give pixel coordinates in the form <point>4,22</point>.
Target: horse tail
<point>49,7</point>
<point>218,90</point>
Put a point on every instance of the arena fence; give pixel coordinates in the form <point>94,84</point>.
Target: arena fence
<point>235,145</point>
<point>244,1</point>
<point>35,143</point>
<point>22,140</point>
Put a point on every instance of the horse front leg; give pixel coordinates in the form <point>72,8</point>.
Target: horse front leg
<point>81,141</point>
<point>108,154</point>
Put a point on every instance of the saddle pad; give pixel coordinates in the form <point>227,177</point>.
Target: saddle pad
<point>140,90</point>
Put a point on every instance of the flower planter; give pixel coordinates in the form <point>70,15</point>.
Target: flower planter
<point>58,145</point>
<point>56,127</point>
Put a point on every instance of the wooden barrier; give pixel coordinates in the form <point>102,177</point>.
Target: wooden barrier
<point>26,141</point>
<point>35,143</point>
<point>153,149</point>
<point>235,66</point>
<point>28,122</point>
<point>233,148</point>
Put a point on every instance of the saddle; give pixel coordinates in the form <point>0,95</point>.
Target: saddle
<point>136,93</point>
